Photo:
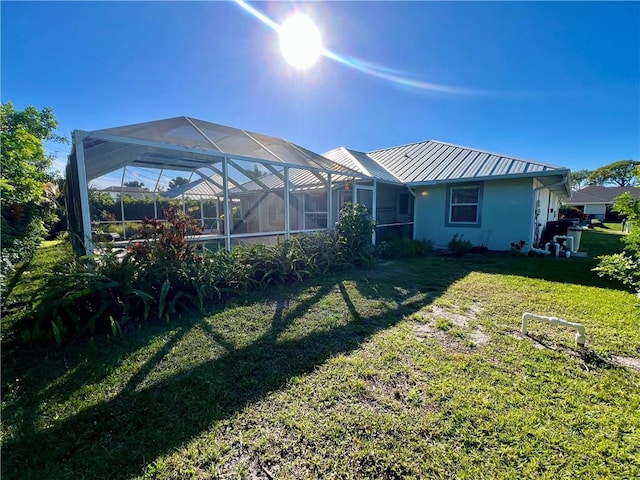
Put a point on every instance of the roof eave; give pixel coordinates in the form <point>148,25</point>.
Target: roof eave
<point>546,173</point>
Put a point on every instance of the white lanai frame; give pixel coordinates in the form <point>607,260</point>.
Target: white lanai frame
<point>195,146</point>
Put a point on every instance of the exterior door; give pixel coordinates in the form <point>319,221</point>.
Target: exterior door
<point>404,208</point>
<point>364,197</point>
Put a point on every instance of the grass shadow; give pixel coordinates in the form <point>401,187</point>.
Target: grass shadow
<point>117,438</point>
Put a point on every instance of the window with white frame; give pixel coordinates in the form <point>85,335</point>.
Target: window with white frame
<point>464,205</point>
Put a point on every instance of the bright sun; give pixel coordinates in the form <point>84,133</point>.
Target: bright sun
<point>300,41</point>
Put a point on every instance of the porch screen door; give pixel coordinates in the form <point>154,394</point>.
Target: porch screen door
<point>365,197</point>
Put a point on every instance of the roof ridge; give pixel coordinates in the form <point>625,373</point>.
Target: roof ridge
<point>400,146</point>
<point>374,161</point>
<point>357,162</point>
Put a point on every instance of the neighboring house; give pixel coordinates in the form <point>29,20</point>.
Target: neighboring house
<point>598,200</point>
<point>137,193</point>
<point>427,190</point>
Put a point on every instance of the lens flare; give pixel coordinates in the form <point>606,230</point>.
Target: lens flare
<point>301,45</point>
<point>300,41</point>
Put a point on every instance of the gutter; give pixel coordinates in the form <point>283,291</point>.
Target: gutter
<point>564,172</point>
<point>564,181</point>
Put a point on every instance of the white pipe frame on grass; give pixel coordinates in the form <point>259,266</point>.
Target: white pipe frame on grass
<point>578,327</point>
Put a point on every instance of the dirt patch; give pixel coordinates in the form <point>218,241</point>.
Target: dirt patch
<point>451,328</point>
<point>246,462</point>
<point>629,362</point>
<point>478,337</point>
<point>455,318</point>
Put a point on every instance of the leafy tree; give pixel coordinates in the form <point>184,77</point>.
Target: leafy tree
<point>135,184</point>
<point>625,266</point>
<point>178,181</point>
<point>579,179</point>
<point>623,173</point>
<point>27,190</point>
<point>257,171</point>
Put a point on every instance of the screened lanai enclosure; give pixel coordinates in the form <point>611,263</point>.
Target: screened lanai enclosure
<point>243,187</point>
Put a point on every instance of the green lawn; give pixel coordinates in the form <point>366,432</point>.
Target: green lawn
<point>410,369</point>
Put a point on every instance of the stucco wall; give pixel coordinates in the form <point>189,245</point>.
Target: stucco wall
<point>506,215</point>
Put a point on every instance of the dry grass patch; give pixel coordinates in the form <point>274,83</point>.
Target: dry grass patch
<point>455,328</point>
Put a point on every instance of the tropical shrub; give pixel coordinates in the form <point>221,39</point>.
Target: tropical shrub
<point>459,245</point>
<point>152,277</point>
<point>163,273</point>
<point>625,266</point>
<point>355,227</point>
<point>569,211</point>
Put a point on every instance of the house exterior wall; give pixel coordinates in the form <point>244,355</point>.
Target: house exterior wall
<point>597,209</point>
<point>506,210</point>
<point>546,209</point>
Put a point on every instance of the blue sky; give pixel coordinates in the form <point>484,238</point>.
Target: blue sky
<point>553,82</point>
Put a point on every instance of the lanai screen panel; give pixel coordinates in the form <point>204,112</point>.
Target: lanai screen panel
<point>198,137</point>
<point>249,175</point>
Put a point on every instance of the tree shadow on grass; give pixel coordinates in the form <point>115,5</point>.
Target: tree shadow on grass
<point>117,438</point>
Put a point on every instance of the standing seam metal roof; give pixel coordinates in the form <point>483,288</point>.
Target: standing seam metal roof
<point>434,161</point>
<point>361,162</point>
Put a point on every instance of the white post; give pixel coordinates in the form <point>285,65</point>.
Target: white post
<point>355,193</point>
<point>155,195</point>
<point>83,186</point>
<point>227,208</point>
<point>287,223</point>
<point>329,204</point>
<point>375,209</point>
<point>124,226</point>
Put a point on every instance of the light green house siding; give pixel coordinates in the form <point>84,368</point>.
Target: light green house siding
<point>506,214</point>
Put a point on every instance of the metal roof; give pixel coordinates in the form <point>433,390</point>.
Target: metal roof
<point>299,180</point>
<point>197,189</point>
<point>361,162</point>
<point>433,161</point>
